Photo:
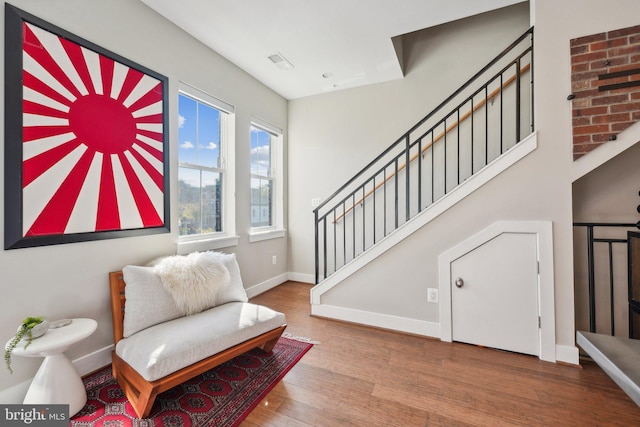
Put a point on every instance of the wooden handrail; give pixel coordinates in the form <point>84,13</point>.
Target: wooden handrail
<point>465,116</point>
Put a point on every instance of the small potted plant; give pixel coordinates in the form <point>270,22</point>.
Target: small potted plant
<point>30,328</point>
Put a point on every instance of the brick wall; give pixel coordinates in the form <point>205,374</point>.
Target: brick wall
<point>605,83</point>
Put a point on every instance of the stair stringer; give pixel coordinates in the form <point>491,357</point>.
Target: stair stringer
<point>479,179</point>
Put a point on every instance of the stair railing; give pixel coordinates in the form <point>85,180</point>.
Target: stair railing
<point>477,123</point>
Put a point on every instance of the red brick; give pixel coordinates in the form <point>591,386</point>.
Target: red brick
<point>630,106</point>
<point>588,57</point>
<point>588,39</point>
<point>580,68</point>
<point>625,67</point>
<point>585,130</point>
<point>607,44</point>
<point>592,111</point>
<point>581,139</point>
<point>610,99</point>
<point>622,51</point>
<point>591,75</point>
<point>619,127</point>
<point>580,86</point>
<point>600,137</point>
<point>611,118</point>
<point>581,121</point>
<point>580,150</point>
<point>613,62</point>
<point>581,103</point>
<point>591,93</point>
<point>635,116</point>
<point>635,38</point>
<point>580,49</point>
<point>623,32</point>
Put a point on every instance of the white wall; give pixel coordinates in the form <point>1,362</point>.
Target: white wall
<point>336,134</point>
<point>71,280</point>
<point>333,135</point>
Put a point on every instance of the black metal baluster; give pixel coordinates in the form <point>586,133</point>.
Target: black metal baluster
<point>335,241</point>
<point>433,177</point>
<point>317,242</point>
<point>384,201</point>
<point>458,149</point>
<point>395,197</point>
<point>518,100</point>
<point>407,162</point>
<point>353,222</point>
<point>472,134</point>
<point>613,322</point>
<point>445,155</point>
<point>324,245</point>
<point>344,233</point>
<point>420,175</point>
<point>501,118</point>
<point>486,125</point>
<point>592,296</point>
<point>364,220</point>
<point>375,224</point>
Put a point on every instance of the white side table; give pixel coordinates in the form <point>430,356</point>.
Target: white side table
<point>57,381</point>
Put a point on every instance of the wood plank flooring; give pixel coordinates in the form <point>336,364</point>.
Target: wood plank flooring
<point>360,376</point>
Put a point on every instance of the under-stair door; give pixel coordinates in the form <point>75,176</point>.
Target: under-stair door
<point>494,294</point>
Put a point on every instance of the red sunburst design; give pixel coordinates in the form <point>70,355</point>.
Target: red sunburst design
<point>92,140</point>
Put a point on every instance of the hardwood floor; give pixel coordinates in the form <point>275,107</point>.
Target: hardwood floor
<point>360,376</point>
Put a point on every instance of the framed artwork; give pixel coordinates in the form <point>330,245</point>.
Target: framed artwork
<point>86,139</point>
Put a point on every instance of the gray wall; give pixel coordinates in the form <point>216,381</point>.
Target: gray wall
<point>334,135</point>
<point>71,280</point>
<point>607,194</point>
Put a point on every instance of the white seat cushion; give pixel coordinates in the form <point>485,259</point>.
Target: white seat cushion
<point>162,349</point>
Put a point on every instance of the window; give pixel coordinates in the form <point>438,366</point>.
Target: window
<point>205,148</point>
<point>266,180</point>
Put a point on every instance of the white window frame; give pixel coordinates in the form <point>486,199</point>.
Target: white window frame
<point>228,236</point>
<point>276,230</point>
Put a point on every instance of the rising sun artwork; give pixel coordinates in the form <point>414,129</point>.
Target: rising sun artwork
<point>93,132</point>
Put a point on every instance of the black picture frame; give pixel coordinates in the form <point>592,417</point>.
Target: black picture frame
<point>152,204</point>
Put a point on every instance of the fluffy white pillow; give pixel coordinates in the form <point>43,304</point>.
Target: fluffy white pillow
<point>234,291</point>
<point>193,280</point>
<point>147,302</point>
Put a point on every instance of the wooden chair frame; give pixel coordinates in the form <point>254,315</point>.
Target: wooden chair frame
<point>142,393</point>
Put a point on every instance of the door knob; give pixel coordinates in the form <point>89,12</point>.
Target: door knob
<point>459,282</point>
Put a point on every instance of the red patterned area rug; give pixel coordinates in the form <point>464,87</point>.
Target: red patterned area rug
<point>223,396</point>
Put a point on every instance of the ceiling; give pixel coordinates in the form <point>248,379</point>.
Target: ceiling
<point>331,44</point>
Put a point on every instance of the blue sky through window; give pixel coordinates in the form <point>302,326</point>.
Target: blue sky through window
<point>198,133</point>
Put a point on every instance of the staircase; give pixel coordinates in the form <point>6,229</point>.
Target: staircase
<point>482,128</point>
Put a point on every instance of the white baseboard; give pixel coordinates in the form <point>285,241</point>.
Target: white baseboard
<point>567,354</point>
<point>84,365</point>
<point>93,361</point>
<point>383,321</point>
<point>266,285</point>
<point>15,395</point>
<point>302,277</point>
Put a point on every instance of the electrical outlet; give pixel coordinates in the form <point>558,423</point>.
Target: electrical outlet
<point>432,295</point>
<point>274,260</point>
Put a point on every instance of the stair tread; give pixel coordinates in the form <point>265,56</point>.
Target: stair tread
<point>618,357</point>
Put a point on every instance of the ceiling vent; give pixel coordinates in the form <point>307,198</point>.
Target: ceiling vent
<point>280,61</point>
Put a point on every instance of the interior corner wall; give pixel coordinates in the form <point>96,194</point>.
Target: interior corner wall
<point>333,135</point>
<point>70,280</point>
